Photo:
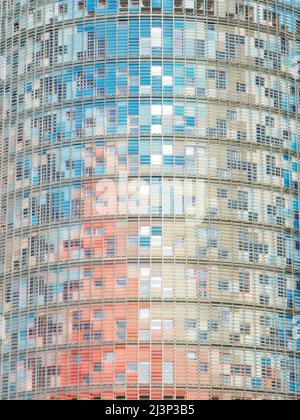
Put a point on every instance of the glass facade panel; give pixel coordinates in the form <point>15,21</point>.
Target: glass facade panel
<point>149,199</point>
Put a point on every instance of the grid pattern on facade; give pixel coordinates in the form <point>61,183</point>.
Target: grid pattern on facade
<point>149,199</point>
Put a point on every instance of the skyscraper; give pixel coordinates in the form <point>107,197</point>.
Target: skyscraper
<point>149,242</point>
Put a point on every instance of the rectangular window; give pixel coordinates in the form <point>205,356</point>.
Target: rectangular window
<point>168,376</point>
<point>144,373</point>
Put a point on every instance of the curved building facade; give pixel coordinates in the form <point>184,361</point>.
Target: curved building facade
<point>149,242</point>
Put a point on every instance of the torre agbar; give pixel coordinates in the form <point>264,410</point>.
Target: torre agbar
<point>149,226</point>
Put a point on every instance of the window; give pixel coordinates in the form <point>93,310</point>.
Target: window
<point>98,314</point>
<point>156,37</point>
<point>213,326</point>
<point>203,336</point>
<point>244,282</point>
<point>191,357</point>
<point>88,232</point>
<point>63,8</point>
<point>225,357</point>
<point>98,335</point>
<point>86,379</point>
<point>156,282</point>
<point>132,367</point>
<point>219,77</point>
<point>121,330</point>
<point>206,7</point>
<point>156,324</point>
<point>99,283</point>
<point>245,329</point>
<point>241,87</point>
<point>121,378</point>
<point>76,358</point>
<point>259,43</point>
<point>281,246</point>
<point>109,357</point>
<point>144,335</point>
<point>168,372</point>
<point>167,324</point>
<point>132,241</point>
<point>243,370</point>
<point>225,379</point>
<point>259,81</point>
<point>81,4</point>
<point>179,240</point>
<point>97,367</point>
<point>223,285</point>
<point>191,324</point>
<point>222,193</point>
<point>144,313</point>
<point>144,372</point>
<point>121,281</point>
<point>203,368</point>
